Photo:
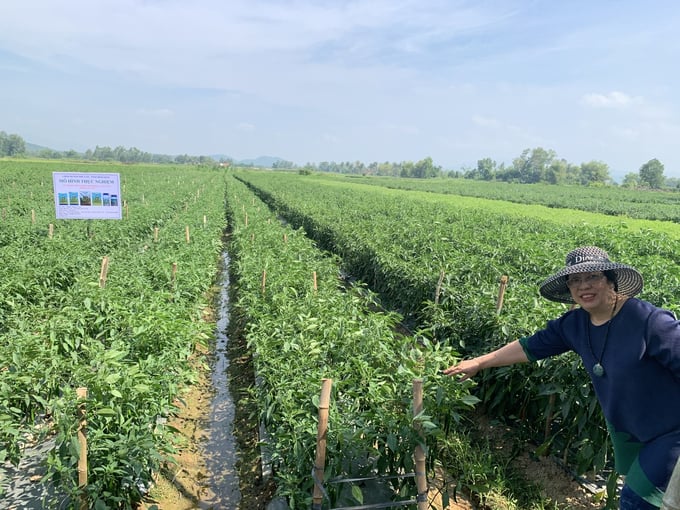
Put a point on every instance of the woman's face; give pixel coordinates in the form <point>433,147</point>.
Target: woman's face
<point>592,291</point>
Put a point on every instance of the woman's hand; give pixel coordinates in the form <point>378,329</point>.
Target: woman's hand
<point>507,355</point>
<point>468,368</point>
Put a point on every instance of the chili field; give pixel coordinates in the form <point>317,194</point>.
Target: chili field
<point>332,278</point>
<point>127,341</point>
<point>438,259</point>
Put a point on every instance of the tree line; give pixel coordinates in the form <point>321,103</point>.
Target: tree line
<point>14,146</point>
<point>531,166</point>
<point>423,169</point>
<point>536,165</point>
<point>543,166</point>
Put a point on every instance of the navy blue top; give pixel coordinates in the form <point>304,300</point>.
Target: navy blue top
<point>640,390</point>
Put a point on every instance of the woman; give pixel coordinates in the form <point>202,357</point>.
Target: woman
<point>630,349</point>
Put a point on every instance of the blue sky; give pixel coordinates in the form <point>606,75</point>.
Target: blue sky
<point>382,80</point>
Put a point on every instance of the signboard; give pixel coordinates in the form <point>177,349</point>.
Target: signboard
<point>87,196</point>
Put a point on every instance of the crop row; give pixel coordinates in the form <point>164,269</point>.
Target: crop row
<point>401,242</point>
<point>127,341</point>
<point>303,329</point>
<point>613,201</point>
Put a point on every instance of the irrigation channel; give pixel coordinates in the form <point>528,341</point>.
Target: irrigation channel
<point>21,483</point>
<point>220,450</point>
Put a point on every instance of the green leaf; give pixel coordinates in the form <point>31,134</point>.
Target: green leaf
<point>357,494</point>
<point>112,379</point>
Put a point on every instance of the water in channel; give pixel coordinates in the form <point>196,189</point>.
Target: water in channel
<point>220,449</point>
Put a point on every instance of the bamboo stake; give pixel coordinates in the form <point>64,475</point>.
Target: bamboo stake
<point>155,234</point>
<point>81,394</point>
<point>501,293</point>
<point>104,271</point>
<point>186,234</point>
<point>438,290</point>
<point>419,454</point>
<point>50,231</point>
<point>264,280</point>
<point>246,220</point>
<point>33,216</point>
<point>549,417</point>
<point>205,221</point>
<point>322,429</point>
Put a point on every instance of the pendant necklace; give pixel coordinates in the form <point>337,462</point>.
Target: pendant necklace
<point>598,369</point>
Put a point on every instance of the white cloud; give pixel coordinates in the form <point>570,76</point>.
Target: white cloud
<point>327,137</point>
<point>626,133</point>
<point>406,129</point>
<point>613,99</point>
<point>157,112</point>
<point>246,127</point>
<point>486,122</point>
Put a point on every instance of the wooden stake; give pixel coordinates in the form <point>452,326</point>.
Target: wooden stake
<point>285,238</point>
<point>314,281</point>
<point>246,220</point>
<point>501,293</point>
<point>155,234</point>
<point>81,394</point>
<point>264,280</point>
<point>33,216</point>
<point>419,454</point>
<point>322,429</point>
<point>205,220</point>
<point>548,418</point>
<point>127,210</point>
<point>50,231</point>
<point>104,271</point>
<point>186,234</point>
<point>174,272</point>
<point>438,290</point>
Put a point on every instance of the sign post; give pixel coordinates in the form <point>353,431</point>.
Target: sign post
<point>79,196</point>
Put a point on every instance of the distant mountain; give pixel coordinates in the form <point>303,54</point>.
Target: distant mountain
<point>32,148</point>
<point>262,161</point>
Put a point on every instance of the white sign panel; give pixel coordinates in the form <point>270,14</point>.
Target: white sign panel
<point>87,196</point>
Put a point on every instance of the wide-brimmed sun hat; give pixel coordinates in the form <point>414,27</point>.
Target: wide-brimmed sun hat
<point>588,259</point>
